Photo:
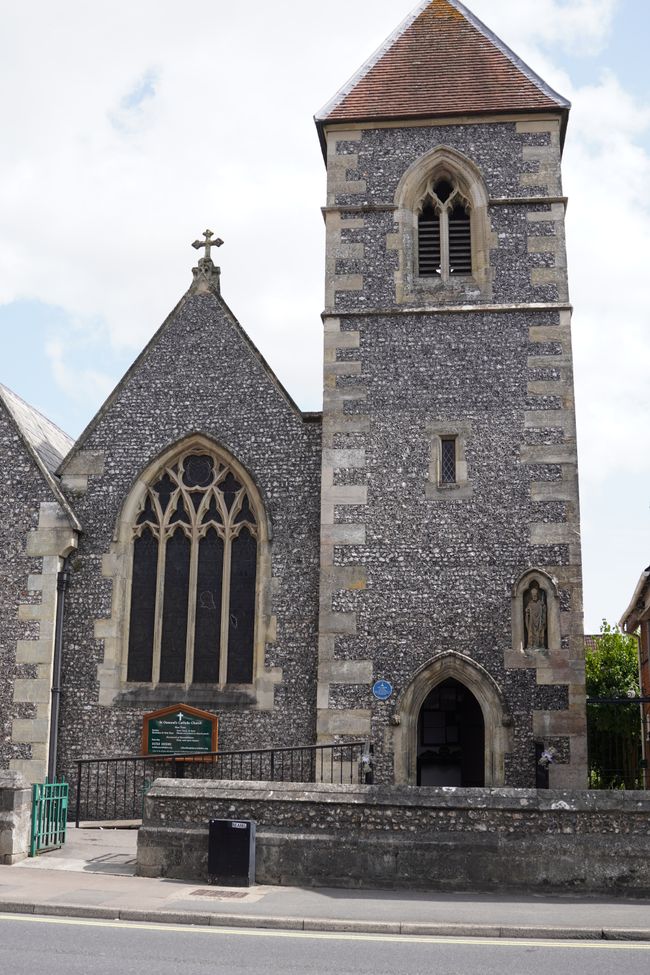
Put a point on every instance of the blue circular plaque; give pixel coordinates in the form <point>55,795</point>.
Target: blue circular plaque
<point>382,689</point>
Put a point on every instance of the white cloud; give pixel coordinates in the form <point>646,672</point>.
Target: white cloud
<point>156,124</point>
<point>133,126</point>
<point>83,384</point>
<point>132,115</point>
<point>608,225</point>
<point>606,174</point>
<point>579,26</point>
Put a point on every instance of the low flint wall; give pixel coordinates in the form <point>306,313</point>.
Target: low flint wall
<point>405,836</point>
<point>15,817</point>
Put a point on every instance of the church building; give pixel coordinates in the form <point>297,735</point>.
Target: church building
<point>206,542</point>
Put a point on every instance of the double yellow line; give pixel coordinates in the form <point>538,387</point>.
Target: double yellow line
<point>333,935</point>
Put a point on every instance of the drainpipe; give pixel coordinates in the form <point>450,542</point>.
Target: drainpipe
<point>62,582</point>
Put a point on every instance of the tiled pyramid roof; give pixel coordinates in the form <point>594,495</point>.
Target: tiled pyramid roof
<point>440,61</point>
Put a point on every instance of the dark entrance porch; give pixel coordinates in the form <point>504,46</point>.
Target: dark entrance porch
<point>451,737</point>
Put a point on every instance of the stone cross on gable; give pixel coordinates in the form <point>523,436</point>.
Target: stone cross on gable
<point>207,243</point>
<point>206,275</point>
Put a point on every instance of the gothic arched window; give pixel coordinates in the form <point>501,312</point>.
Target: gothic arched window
<point>444,231</point>
<point>195,540</point>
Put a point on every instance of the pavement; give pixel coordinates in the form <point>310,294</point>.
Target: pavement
<point>93,876</point>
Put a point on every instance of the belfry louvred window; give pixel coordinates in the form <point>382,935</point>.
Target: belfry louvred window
<point>444,232</point>
<point>192,616</point>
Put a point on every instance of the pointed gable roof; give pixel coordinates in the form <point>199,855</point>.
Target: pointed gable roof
<point>440,61</point>
<point>45,442</point>
<point>178,312</point>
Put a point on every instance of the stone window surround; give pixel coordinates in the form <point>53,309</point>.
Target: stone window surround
<point>548,585</point>
<point>117,566</point>
<point>412,190</point>
<point>498,721</point>
<point>435,488</point>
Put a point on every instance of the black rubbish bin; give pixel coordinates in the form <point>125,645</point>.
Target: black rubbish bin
<point>231,852</point>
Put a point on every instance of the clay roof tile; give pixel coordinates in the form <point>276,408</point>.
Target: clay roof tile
<point>440,61</point>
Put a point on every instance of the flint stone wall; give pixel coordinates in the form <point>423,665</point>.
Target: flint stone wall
<point>15,817</point>
<point>404,836</point>
<point>198,374</point>
<point>417,569</point>
<point>23,489</point>
<point>439,574</point>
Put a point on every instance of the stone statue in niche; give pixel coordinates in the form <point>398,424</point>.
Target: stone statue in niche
<point>535,618</point>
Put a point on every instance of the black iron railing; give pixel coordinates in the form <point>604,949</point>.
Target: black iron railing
<point>615,743</point>
<point>113,789</point>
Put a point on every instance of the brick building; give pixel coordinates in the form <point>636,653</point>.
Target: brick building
<point>224,549</point>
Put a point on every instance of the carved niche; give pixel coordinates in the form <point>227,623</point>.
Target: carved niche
<point>535,612</point>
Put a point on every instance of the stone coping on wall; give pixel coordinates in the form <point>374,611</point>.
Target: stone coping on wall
<point>406,836</point>
<point>199,794</point>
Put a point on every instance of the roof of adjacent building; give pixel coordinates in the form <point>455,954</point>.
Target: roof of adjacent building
<point>639,604</point>
<point>46,442</point>
<point>440,61</point>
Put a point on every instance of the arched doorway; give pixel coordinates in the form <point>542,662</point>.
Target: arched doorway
<point>451,737</point>
<point>474,679</point>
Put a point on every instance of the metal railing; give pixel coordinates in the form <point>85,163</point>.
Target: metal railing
<point>615,743</point>
<point>113,789</point>
<point>49,816</point>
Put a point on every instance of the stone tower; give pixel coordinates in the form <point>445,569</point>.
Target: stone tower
<point>450,546</point>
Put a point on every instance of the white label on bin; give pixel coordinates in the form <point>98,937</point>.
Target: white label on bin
<point>239,825</point>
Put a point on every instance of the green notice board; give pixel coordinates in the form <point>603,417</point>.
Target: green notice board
<point>179,730</point>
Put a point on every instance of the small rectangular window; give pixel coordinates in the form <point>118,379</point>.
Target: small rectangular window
<point>448,460</point>
<point>448,472</point>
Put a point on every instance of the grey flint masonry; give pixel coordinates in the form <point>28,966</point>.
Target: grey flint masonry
<point>225,550</point>
<point>396,836</point>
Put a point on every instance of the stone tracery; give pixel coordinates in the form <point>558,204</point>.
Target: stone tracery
<point>192,612</point>
<point>444,232</point>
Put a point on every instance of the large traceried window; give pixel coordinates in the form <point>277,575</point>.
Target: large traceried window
<point>193,589</point>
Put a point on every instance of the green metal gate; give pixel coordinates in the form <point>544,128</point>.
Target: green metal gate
<point>49,816</point>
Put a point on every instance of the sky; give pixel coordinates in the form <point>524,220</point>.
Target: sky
<point>129,128</point>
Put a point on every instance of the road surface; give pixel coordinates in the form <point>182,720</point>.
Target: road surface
<point>61,946</point>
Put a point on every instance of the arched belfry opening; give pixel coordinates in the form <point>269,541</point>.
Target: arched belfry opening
<point>451,725</point>
<point>444,226</point>
<point>451,737</point>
